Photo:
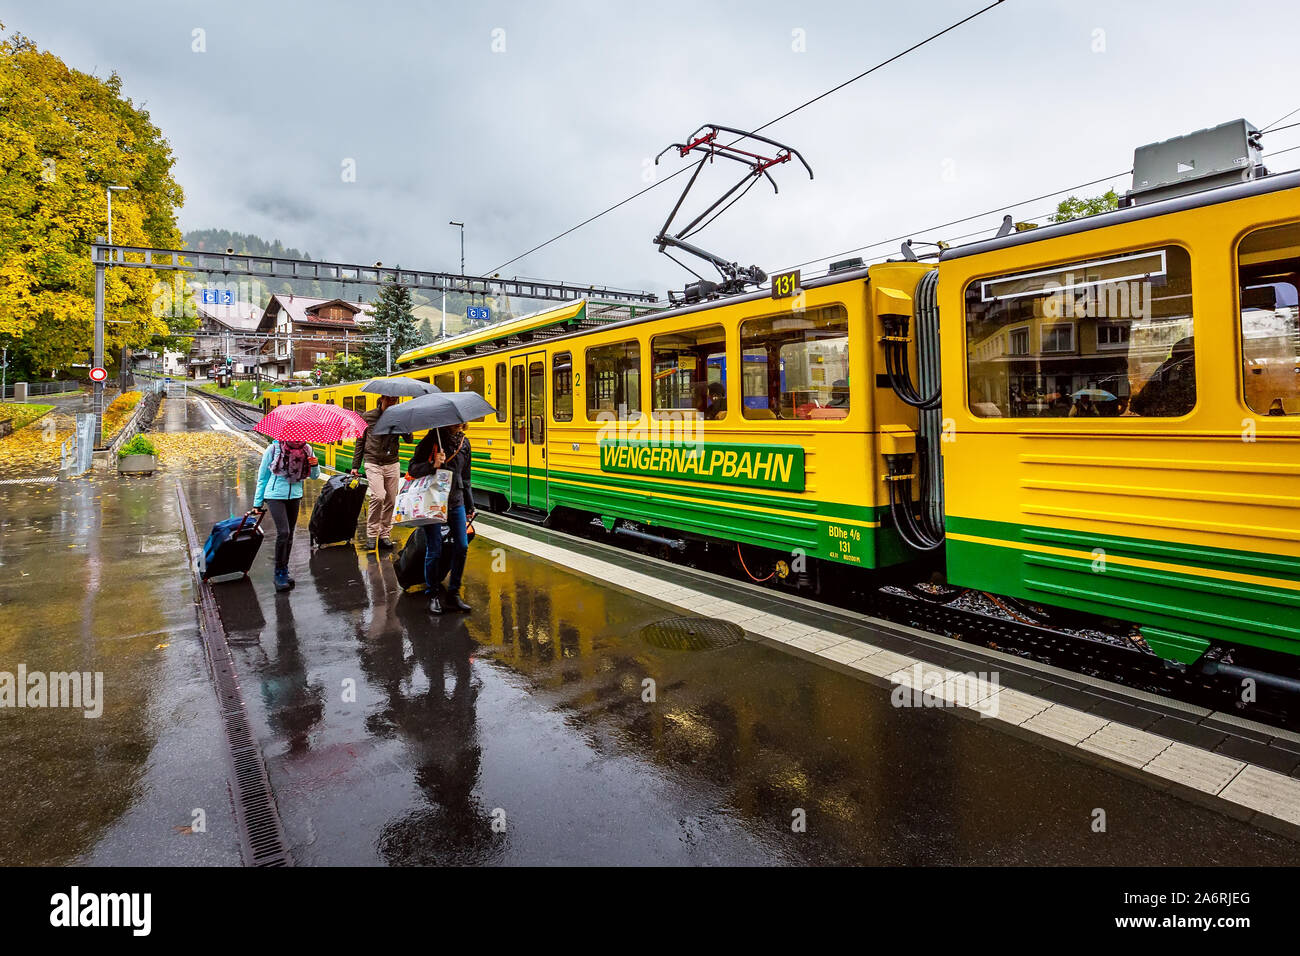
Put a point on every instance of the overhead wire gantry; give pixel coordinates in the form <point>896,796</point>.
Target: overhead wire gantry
<point>106,256</point>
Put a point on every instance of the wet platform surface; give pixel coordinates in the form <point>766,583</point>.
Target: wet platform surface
<point>392,737</point>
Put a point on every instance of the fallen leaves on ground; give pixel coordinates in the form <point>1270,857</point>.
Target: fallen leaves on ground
<point>190,449</point>
<point>34,451</point>
<point>21,413</point>
<point>117,414</point>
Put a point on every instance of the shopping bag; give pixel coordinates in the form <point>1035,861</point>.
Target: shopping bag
<point>423,500</point>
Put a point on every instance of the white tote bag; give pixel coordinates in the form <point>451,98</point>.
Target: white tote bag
<point>423,500</point>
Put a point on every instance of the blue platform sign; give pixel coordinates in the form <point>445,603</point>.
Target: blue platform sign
<point>482,315</point>
<point>218,297</point>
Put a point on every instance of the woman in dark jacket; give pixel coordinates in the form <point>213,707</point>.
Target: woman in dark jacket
<point>447,448</point>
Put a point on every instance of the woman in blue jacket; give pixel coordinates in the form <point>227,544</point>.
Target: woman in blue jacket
<point>285,465</point>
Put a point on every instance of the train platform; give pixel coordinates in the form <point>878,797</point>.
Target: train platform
<point>596,707</point>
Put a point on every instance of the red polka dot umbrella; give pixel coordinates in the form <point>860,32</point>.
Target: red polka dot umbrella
<point>311,421</point>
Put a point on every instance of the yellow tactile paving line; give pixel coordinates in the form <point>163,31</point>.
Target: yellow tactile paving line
<point>1273,795</point>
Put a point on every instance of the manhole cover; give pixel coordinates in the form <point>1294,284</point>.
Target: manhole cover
<point>692,633</point>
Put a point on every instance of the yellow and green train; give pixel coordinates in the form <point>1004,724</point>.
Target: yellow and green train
<point>1101,415</point>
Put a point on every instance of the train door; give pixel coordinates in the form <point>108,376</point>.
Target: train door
<point>537,472</point>
<point>519,431</point>
<point>528,430</point>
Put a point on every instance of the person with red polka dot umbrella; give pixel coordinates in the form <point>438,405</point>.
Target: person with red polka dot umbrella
<point>289,460</point>
<point>311,421</point>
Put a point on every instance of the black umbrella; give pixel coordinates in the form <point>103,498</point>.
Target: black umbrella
<point>400,387</point>
<point>433,411</point>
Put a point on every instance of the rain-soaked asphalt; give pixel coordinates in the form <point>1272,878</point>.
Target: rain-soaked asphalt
<point>516,734</point>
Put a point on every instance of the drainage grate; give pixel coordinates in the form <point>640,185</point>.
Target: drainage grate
<point>260,831</point>
<point>692,634</point>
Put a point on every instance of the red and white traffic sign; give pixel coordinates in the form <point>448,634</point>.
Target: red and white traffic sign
<point>97,374</point>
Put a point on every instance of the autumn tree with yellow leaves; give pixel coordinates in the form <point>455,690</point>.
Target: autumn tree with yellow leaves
<point>65,136</point>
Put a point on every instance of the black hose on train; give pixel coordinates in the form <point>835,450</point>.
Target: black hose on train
<point>900,376</point>
<point>916,533</point>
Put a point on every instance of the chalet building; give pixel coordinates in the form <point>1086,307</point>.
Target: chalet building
<point>223,332</point>
<point>308,331</point>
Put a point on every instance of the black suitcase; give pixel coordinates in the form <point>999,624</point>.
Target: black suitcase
<point>334,516</point>
<point>232,546</point>
<point>409,562</point>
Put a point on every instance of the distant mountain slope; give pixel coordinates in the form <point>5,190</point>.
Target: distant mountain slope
<point>219,240</point>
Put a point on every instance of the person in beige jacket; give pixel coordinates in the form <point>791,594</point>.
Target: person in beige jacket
<point>379,454</point>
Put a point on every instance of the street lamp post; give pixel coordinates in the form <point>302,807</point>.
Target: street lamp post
<point>442,331</point>
<point>108,191</point>
<point>462,243</point>
<point>98,360</point>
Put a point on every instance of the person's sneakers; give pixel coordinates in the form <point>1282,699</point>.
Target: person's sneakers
<point>288,577</point>
<point>386,543</point>
<point>282,581</point>
<point>435,604</point>
<point>454,603</point>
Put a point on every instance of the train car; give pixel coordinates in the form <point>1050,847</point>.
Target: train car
<point>1101,416</point>
<point>1123,401</point>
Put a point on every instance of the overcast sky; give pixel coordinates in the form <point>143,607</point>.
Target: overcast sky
<point>561,118</point>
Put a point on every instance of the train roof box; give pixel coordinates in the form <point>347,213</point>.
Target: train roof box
<point>1226,154</point>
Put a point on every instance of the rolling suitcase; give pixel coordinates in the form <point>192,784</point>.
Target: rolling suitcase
<point>409,562</point>
<point>334,516</point>
<point>232,546</point>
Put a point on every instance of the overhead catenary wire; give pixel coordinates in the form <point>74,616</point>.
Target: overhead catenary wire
<point>990,212</point>
<point>1280,119</point>
<point>655,185</point>
<point>957,222</point>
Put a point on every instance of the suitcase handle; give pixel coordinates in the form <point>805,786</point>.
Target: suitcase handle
<point>256,524</point>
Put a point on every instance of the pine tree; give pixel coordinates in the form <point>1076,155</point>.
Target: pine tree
<point>394,317</point>
<point>426,331</point>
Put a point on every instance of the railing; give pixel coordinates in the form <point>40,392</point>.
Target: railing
<point>77,452</point>
<point>46,388</point>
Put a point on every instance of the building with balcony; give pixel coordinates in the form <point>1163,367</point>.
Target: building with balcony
<point>223,333</point>
<point>306,331</point>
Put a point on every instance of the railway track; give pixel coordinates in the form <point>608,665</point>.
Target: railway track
<point>234,413</point>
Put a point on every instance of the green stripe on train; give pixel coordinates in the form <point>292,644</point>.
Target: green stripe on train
<point>730,516</point>
<point>1198,556</point>
<point>1181,612</point>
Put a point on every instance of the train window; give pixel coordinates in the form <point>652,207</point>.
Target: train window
<point>536,403</point>
<point>614,380</point>
<point>1268,271</point>
<point>471,380</point>
<point>689,371</point>
<point>796,365</point>
<point>347,402</point>
<point>359,404</point>
<point>562,386</point>
<point>445,382</point>
<point>1099,338</point>
<point>315,396</point>
<point>501,391</point>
